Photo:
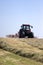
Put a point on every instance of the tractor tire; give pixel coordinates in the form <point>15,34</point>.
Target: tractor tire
<point>21,34</point>
<point>31,35</point>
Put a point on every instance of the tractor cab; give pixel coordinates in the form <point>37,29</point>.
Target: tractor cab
<point>26,27</point>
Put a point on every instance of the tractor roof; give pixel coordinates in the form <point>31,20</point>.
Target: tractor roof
<point>25,25</point>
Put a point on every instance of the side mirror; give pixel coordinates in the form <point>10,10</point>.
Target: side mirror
<point>31,26</point>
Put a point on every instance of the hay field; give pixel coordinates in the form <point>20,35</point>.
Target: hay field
<point>28,50</point>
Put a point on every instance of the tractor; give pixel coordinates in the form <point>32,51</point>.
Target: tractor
<point>25,31</point>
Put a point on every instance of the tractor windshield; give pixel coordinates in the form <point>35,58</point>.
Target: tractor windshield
<point>25,27</point>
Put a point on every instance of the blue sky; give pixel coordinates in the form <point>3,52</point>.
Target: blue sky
<point>13,13</point>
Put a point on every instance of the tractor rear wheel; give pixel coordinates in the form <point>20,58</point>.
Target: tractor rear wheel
<point>31,35</point>
<point>21,34</point>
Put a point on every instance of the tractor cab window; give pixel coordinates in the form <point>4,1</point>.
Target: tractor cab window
<point>22,27</point>
<point>28,27</point>
<point>25,27</point>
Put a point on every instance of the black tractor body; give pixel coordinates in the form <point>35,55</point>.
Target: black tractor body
<point>25,31</point>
